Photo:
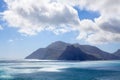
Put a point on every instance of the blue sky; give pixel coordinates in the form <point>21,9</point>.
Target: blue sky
<point>86,14</point>
<point>18,41</point>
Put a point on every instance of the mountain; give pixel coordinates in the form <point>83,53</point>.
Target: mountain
<point>117,53</point>
<point>74,53</point>
<point>53,51</point>
<point>64,51</point>
<point>92,50</point>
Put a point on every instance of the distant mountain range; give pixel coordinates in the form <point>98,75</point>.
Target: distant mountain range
<point>64,51</point>
<point>117,53</point>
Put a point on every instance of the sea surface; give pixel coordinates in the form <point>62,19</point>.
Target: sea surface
<point>59,70</point>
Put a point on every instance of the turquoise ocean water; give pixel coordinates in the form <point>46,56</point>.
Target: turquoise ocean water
<point>59,70</point>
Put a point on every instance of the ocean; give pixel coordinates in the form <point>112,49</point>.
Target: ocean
<point>59,70</point>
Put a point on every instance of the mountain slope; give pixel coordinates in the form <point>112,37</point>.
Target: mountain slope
<point>117,53</point>
<point>92,50</point>
<point>65,51</point>
<point>52,52</point>
<point>74,53</point>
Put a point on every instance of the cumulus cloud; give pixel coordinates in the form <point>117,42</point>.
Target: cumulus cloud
<point>113,25</point>
<point>87,27</point>
<point>103,37</point>
<point>108,24</point>
<point>34,16</point>
<point>59,16</point>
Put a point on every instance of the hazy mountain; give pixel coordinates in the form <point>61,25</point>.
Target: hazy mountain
<point>117,53</point>
<point>65,51</point>
<point>53,51</point>
<point>74,53</point>
<point>92,50</point>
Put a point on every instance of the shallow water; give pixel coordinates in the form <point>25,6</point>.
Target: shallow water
<point>59,70</point>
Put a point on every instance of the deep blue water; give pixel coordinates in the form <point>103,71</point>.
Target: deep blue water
<point>59,70</point>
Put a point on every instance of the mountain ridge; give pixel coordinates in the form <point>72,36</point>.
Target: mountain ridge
<point>65,51</point>
<point>117,53</point>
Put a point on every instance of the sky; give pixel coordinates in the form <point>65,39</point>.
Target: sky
<point>26,25</point>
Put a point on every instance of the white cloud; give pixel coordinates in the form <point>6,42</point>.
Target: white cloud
<point>106,28</point>
<point>86,28</point>
<point>112,25</point>
<point>38,15</point>
<point>103,37</point>
<point>59,16</point>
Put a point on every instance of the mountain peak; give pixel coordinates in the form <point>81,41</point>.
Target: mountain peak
<point>65,51</point>
<point>58,44</point>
